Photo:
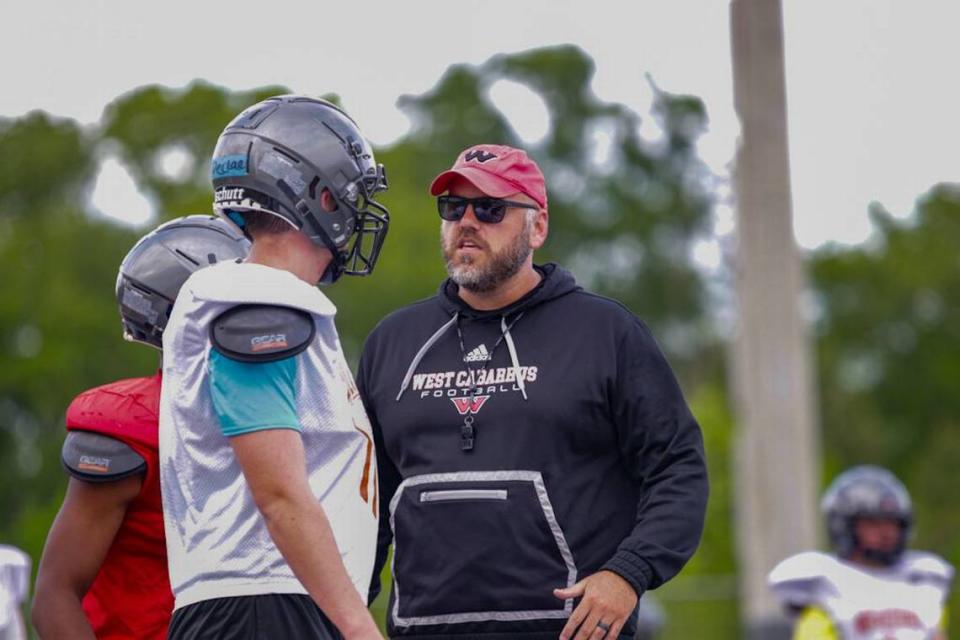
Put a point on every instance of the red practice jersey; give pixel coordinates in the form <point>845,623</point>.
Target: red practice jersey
<point>130,596</point>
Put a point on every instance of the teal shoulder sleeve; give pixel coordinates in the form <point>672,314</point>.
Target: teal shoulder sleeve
<point>250,396</point>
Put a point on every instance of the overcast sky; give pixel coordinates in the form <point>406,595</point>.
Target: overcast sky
<point>872,91</point>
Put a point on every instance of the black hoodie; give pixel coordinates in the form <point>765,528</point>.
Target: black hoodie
<point>580,455</point>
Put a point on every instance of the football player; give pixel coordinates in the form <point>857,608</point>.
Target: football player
<point>103,572</point>
<point>266,456</point>
<point>871,587</point>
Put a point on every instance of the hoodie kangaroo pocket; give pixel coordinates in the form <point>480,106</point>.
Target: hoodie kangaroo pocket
<point>478,545</point>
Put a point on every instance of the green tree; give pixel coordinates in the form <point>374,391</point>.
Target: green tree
<point>54,315</point>
<point>888,335</point>
<point>143,125</point>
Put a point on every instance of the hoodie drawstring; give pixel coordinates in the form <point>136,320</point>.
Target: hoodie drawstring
<point>423,351</point>
<point>505,329</point>
<point>504,335</point>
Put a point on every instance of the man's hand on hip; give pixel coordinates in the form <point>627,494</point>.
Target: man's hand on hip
<point>607,600</point>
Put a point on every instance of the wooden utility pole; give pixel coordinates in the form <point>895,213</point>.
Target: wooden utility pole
<point>776,461</point>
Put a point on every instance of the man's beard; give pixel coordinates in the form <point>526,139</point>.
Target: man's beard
<point>500,266</point>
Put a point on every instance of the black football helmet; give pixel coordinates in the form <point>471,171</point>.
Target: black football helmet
<point>156,267</point>
<point>280,154</point>
<point>866,491</point>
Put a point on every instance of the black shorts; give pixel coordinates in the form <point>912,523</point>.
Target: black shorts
<point>264,617</point>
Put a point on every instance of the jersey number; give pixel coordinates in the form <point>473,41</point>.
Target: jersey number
<point>365,478</point>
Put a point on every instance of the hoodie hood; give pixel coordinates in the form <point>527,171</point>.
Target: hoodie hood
<point>555,282</point>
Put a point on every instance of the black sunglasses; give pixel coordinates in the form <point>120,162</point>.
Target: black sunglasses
<point>489,210</point>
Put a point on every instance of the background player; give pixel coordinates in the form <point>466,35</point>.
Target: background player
<point>870,588</point>
<point>14,587</point>
<point>104,568</point>
<point>266,455</point>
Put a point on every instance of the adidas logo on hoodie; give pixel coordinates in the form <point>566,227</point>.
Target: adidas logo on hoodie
<point>480,354</point>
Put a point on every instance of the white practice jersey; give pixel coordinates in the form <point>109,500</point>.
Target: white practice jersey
<point>217,541</point>
<point>14,587</point>
<point>901,602</point>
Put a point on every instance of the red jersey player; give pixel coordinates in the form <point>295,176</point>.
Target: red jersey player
<point>103,573</point>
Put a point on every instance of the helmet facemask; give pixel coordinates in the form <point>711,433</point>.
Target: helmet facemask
<point>885,557</point>
<point>143,313</point>
<point>371,221</point>
<point>866,492</point>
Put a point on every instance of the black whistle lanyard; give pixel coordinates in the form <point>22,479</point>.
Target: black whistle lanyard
<point>468,431</point>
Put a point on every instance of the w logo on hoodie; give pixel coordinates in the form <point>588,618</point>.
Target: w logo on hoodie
<point>468,405</point>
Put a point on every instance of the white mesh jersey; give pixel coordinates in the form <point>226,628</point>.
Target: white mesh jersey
<point>217,541</point>
<point>901,602</point>
<point>14,587</point>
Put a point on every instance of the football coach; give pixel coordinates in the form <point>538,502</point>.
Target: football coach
<point>539,467</point>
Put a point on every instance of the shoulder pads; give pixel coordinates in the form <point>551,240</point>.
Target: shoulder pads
<point>809,565</point>
<point>798,580</point>
<point>95,458</point>
<point>928,567</point>
<point>262,333</point>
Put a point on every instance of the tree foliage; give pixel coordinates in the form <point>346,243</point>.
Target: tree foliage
<point>888,335</point>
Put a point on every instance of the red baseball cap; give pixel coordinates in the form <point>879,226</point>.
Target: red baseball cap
<point>498,171</point>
